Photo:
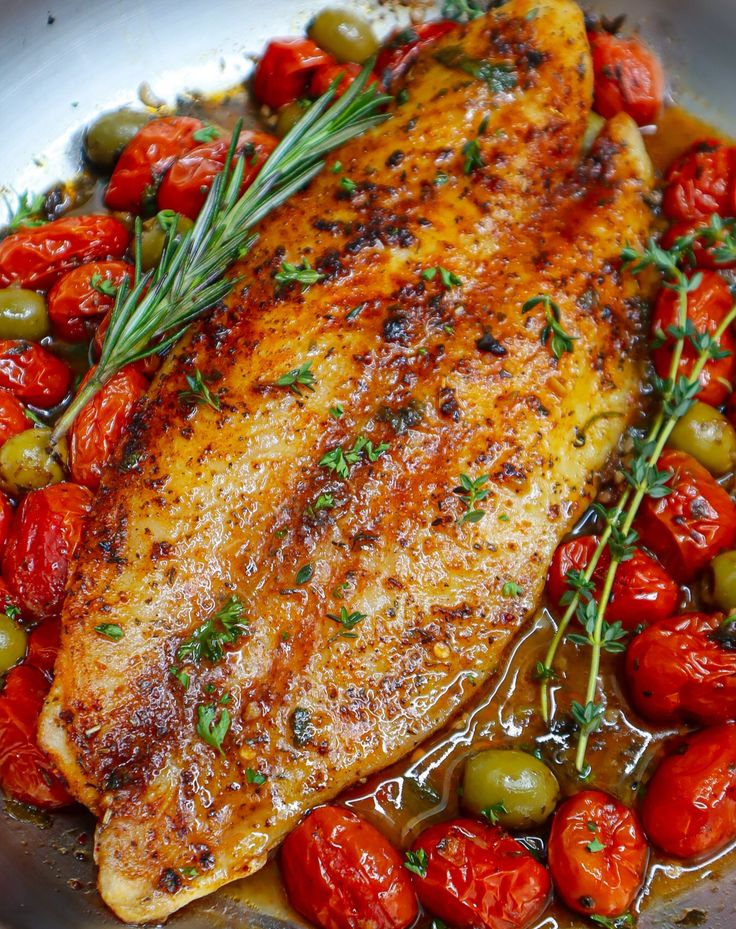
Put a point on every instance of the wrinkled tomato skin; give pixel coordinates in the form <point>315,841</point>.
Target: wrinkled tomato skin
<point>7,599</point>
<point>146,158</point>
<point>6,518</point>
<point>13,419</point>
<point>707,306</point>
<point>402,48</point>
<point>283,73</point>
<point>26,774</point>
<point>185,186</point>
<point>688,527</point>
<point>43,646</point>
<point>628,78</point>
<point>479,876</point>
<point>75,306</point>
<point>44,533</point>
<point>679,671</point>
<point>689,808</point>
<point>33,374</point>
<point>703,255</point>
<point>36,258</point>
<point>642,593</point>
<point>606,881</point>
<point>100,425</point>
<point>341,873</point>
<point>700,182</point>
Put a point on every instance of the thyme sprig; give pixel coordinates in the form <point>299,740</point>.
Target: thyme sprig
<point>560,341</point>
<point>154,310</point>
<point>643,479</point>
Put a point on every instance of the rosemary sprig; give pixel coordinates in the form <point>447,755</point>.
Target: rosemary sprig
<point>153,311</point>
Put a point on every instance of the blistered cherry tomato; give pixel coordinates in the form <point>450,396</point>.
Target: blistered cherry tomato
<point>479,876</point>
<point>703,254</point>
<point>100,424</point>
<point>185,186</point>
<point>402,48</point>
<point>689,808</point>
<point>146,158</point>
<point>573,555</point>
<point>6,518</point>
<point>33,374</point>
<point>597,854</point>
<point>326,74</point>
<point>628,77</point>
<point>43,646</point>
<point>701,182</point>
<point>341,873</point>
<point>283,73</point>
<point>689,526</point>
<point>26,774</point>
<point>13,419</point>
<point>707,306</point>
<point>79,299</point>
<point>681,669</point>
<point>45,531</point>
<point>8,601</point>
<point>36,258</point>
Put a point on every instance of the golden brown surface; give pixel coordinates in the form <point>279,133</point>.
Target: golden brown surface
<point>206,504</point>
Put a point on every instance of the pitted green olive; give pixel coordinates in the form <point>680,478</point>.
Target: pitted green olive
<point>512,787</point>
<point>27,461</point>
<point>108,135</point>
<point>23,315</point>
<point>347,36</point>
<point>13,643</point>
<point>708,436</point>
<point>719,582</point>
<point>289,116</point>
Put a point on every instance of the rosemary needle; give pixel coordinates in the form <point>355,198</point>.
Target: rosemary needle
<point>154,311</point>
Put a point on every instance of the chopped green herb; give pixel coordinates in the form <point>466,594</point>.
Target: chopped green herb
<point>492,813</point>
<point>189,872</point>
<point>206,134</point>
<point>181,676</point>
<point>254,777</point>
<point>348,621</point>
<point>207,641</point>
<point>553,331</point>
<point>103,285</point>
<point>402,97</point>
<point>625,921</point>
<point>323,502</point>
<point>304,574</point>
<point>472,491</point>
<point>356,311</point>
<point>109,630</point>
<point>347,185</point>
<point>26,212</point>
<point>500,76</point>
<point>12,611</point>
<point>198,391</point>
<point>298,377</point>
<point>339,461</point>
<point>503,517</point>
<point>595,845</point>
<point>336,411</point>
<point>448,279</point>
<point>303,274</point>
<point>416,862</point>
<point>211,727</point>
<point>441,179</point>
<point>336,168</point>
<point>473,157</point>
<point>510,589</point>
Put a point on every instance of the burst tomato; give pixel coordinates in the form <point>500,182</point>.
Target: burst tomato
<point>33,374</point>
<point>479,876</point>
<point>690,805</point>
<point>99,427</point>
<point>341,873</point>
<point>597,854</point>
<point>402,48</point>
<point>707,306</point>
<point>701,182</point>
<point>26,774</point>
<point>36,258</point>
<point>185,186</point>
<point>681,669</point>
<point>45,531</point>
<point>692,524</point>
<point>43,646</point>
<point>703,253</point>
<point>13,417</point>
<point>79,299</point>
<point>628,77</point>
<point>146,158</point>
<point>284,71</point>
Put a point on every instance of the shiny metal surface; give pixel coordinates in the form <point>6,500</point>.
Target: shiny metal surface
<point>64,61</point>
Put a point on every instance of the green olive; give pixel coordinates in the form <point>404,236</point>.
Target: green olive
<point>347,36</point>
<point>154,234</point>
<point>719,582</point>
<point>110,133</point>
<point>289,116</point>
<point>13,643</point>
<point>27,461</point>
<point>23,315</point>
<point>708,436</point>
<point>513,787</point>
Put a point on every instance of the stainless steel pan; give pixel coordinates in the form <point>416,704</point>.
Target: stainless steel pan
<point>64,61</point>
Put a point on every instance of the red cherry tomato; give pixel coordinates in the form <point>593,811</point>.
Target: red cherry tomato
<point>185,186</point>
<point>703,254</point>
<point>402,48</point>
<point>597,854</point>
<point>26,774</point>
<point>701,182</point>
<point>13,417</point>
<point>33,374</point>
<point>574,555</point>
<point>43,646</point>
<point>341,873</point>
<point>6,518</point>
<point>689,808</point>
<point>146,158</point>
<point>681,669</point>
<point>326,74</point>
<point>628,77</point>
<point>99,427</point>
<point>707,306</point>
<point>77,301</point>
<point>283,73</point>
<point>45,531</point>
<point>692,524</point>
<point>37,257</point>
<point>479,876</point>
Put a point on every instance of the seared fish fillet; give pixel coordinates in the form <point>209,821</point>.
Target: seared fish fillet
<point>408,607</point>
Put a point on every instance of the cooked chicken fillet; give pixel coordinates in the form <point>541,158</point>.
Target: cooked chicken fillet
<point>415,593</point>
